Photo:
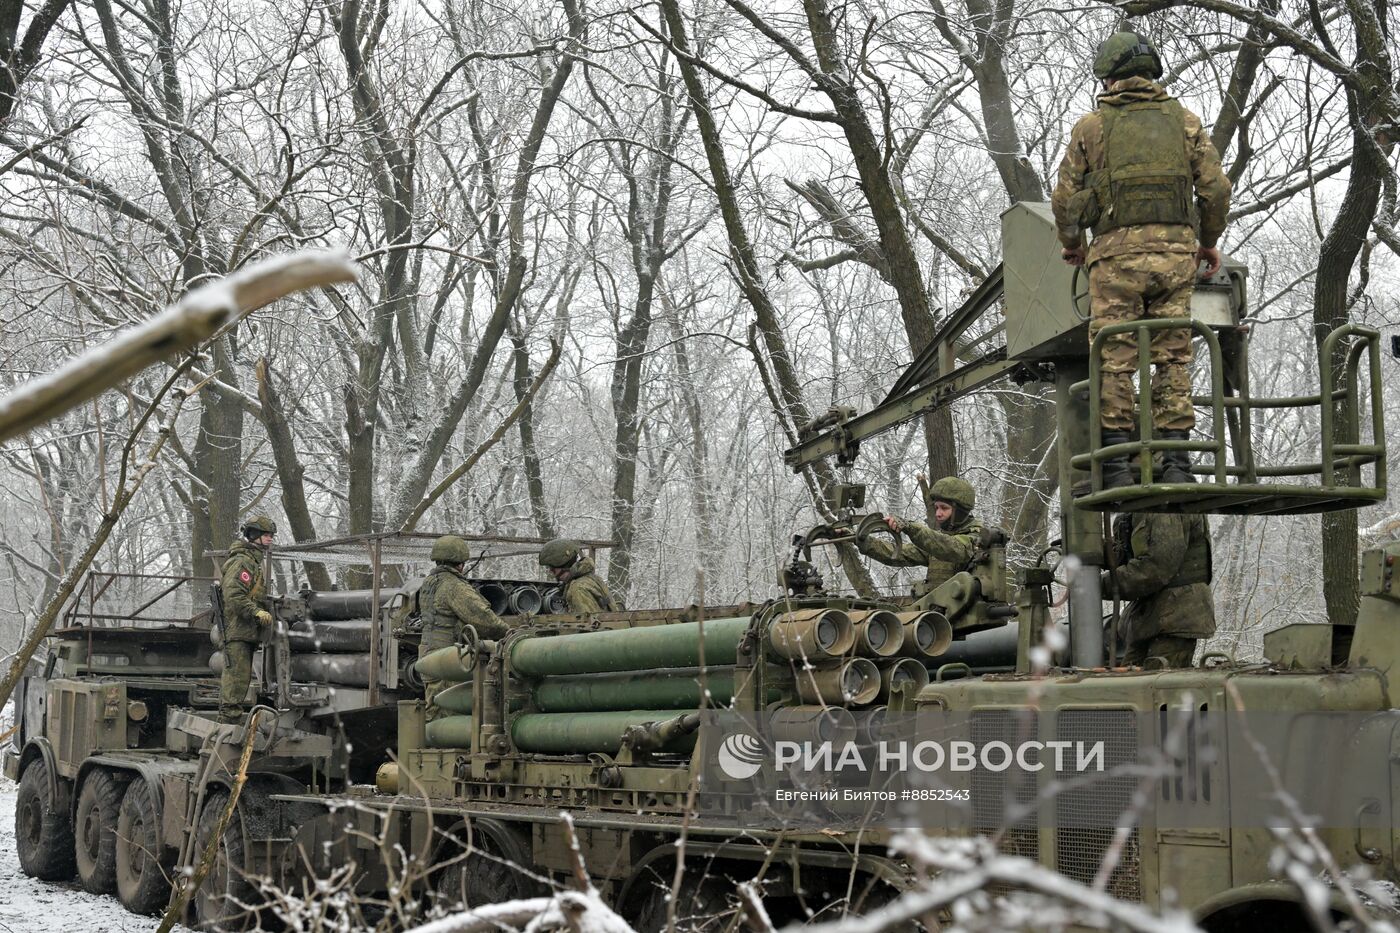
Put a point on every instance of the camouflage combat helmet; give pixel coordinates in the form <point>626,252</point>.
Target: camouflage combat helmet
<point>1125,54</point>
<point>559,553</point>
<point>954,490</point>
<point>261,524</point>
<point>450,549</point>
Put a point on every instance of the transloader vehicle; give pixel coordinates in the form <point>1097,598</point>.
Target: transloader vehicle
<point>607,719</point>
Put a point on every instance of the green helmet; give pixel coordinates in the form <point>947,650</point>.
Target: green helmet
<point>1125,54</point>
<point>559,553</point>
<point>450,549</point>
<point>954,490</point>
<point>261,524</point>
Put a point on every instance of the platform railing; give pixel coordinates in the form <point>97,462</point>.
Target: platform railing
<point>1338,469</point>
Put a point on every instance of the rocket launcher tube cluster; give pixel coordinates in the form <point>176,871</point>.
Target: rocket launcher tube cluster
<point>806,634</point>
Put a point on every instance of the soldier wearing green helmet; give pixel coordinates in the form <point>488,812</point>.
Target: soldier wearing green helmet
<point>242,587</point>
<point>1143,176</point>
<point>945,549</point>
<point>446,603</point>
<point>584,591</point>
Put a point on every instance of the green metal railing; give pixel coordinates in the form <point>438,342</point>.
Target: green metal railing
<point>1338,470</point>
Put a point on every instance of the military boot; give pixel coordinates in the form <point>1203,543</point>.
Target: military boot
<point>1116,473</point>
<point>1176,464</point>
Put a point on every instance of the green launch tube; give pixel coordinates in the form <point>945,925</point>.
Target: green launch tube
<point>630,649</point>
<point>674,688</point>
<point>449,732</point>
<point>584,733</point>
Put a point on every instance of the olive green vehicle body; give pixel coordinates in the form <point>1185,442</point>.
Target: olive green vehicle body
<point>545,720</point>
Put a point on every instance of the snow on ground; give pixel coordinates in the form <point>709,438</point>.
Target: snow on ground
<point>30,905</point>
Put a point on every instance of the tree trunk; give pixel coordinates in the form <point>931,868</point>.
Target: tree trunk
<point>905,274</point>
<point>698,454</point>
<point>217,468</point>
<point>534,475</point>
<point>626,399</point>
<point>1340,248</point>
<point>289,473</point>
<point>751,280</point>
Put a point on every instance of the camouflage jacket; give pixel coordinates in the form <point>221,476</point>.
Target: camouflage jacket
<point>584,592</point>
<point>1085,153</point>
<point>447,602</point>
<point>243,587</point>
<point>1167,578</point>
<point>943,552</point>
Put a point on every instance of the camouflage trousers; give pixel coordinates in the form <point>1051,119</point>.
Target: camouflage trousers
<point>431,688</point>
<point>1174,649</point>
<point>233,684</point>
<point>1128,288</point>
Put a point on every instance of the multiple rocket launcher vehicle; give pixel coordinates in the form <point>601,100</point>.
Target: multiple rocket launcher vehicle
<point>600,717</point>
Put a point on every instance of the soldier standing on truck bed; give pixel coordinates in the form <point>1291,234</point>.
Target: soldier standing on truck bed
<point>1142,174</point>
<point>447,602</point>
<point>584,591</point>
<point>243,587</point>
<point>1164,568</point>
<point>945,549</point>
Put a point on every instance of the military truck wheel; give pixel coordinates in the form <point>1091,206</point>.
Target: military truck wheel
<point>95,831</point>
<point>43,835</point>
<point>493,872</point>
<point>703,905</point>
<point>143,868</point>
<point>225,901</point>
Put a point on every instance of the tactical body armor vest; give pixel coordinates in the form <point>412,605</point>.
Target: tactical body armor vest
<point>1196,564</point>
<point>439,629</point>
<point>941,571</point>
<point>1146,178</point>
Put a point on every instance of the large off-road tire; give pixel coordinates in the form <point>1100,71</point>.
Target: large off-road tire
<point>494,870</point>
<point>227,898</point>
<point>95,831</point>
<point>143,866</point>
<point>43,835</point>
<point>703,904</point>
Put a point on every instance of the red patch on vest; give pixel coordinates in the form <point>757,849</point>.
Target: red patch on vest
<point>246,577</point>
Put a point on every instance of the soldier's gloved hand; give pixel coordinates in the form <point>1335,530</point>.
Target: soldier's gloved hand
<point>263,616</point>
<point>894,522</point>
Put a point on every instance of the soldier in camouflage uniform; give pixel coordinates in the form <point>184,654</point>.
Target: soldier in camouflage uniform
<point>1142,174</point>
<point>446,602</point>
<point>946,549</point>
<point>1165,570</point>
<point>584,592</point>
<point>243,587</point>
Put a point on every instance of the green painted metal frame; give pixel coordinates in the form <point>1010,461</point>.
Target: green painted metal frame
<point>1247,495</point>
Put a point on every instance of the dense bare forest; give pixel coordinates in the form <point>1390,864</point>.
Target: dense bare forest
<point>695,226</point>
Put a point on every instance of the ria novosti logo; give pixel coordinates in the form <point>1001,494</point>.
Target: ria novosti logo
<point>741,755</point>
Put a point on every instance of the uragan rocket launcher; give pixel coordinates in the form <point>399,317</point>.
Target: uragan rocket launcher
<point>576,690</point>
